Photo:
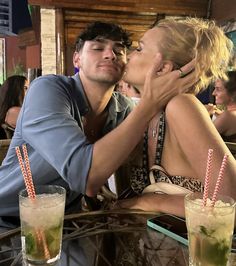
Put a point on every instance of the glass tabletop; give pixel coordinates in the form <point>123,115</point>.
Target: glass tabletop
<point>103,238</point>
<point>106,238</point>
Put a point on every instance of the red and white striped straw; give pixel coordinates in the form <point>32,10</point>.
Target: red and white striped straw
<point>28,182</point>
<point>219,180</point>
<point>28,169</point>
<point>207,176</point>
<point>45,247</point>
<point>27,175</point>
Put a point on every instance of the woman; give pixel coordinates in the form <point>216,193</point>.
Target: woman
<point>15,88</point>
<point>225,95</point>
<point>176,143</point>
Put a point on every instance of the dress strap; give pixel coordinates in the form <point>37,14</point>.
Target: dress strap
<point>160,143</point>
<point>160,138</point>
<point>145,156</point>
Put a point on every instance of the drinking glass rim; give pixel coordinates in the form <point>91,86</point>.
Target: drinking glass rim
<point>37,187</point>
<point>228,199</point>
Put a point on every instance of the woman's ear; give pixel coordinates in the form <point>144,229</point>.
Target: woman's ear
<point>167,66</point>
<point>76,59</point>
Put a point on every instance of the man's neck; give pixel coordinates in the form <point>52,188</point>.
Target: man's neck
<point>98,95</point>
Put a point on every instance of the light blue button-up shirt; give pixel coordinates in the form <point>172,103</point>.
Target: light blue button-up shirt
<point>50,125</point>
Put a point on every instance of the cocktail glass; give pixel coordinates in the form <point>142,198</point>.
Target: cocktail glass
<point>42,223</point>
<point>210,230</point>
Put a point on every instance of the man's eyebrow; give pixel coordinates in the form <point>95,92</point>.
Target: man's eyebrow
<point>102,40</point>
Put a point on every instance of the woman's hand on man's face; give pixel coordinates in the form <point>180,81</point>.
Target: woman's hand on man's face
<point>158,90</point>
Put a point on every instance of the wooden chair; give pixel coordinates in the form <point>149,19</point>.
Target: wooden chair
<point>232,147</point>
<point>4,145</point>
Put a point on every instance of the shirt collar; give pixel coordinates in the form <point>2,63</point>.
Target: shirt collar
<point>80,95</point>
<point>114,105</point>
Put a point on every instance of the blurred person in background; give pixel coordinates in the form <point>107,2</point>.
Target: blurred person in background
<point>224,118</point>
<point>14,89</point>
<point>128,90</point>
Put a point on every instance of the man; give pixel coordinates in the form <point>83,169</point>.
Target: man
<point>65,121</point>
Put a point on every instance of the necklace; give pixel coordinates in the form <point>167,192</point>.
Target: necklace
<point>153,128</point>
<point>153,131</point>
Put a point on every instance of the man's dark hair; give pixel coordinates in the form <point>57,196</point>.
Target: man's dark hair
<point>104,30</point>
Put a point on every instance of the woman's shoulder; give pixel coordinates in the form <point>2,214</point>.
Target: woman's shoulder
<point>186,113</point>
<point>182,103</point>
<point>12,115</point>
<point>183,98</point>
<point>14,110</point>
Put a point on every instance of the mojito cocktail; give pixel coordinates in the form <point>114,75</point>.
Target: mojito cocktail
<point>210,230</point>
<point>42,224</point>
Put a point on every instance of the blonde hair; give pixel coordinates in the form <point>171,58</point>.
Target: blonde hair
<point>203,40</point>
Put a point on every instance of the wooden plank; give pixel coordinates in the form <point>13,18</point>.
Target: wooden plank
<point>77,20</point>
<point>170,7</point>
<point>27,38</point>
<point>130,19</point>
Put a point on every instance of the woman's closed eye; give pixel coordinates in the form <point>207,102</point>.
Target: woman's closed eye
<point>138,49</point>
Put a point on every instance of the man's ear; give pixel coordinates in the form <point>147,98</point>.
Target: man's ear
<point>167,66</point>
<point>76,59</point>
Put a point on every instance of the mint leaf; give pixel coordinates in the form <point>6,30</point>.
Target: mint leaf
<point>30,243</point>
<point>205,231</point>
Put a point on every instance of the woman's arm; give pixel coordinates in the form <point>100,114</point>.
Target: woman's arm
<point>173,204</point>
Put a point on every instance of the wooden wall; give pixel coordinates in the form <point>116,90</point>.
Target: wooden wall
<point>223,10</point>
<point>172,7</point>
<point>76,20</point>
<point>134,15</point>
